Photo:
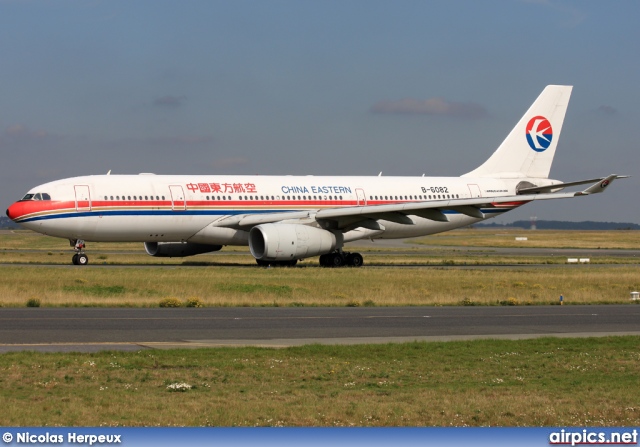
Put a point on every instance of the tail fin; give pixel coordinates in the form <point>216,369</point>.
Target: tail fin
<point>529,149</point>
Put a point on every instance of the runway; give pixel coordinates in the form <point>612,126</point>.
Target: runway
<point>93,329</point>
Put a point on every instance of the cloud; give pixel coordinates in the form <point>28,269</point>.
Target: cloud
<point>607,110</point>
<point>432,106</point>
<point>19,133</point>
<point>171,102</point>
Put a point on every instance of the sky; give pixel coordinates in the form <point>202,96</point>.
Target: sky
<point>349,87</point>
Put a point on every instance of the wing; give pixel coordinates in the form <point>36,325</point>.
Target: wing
<point>349,218</point>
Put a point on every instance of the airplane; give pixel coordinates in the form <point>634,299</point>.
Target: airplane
<point>284,219</point>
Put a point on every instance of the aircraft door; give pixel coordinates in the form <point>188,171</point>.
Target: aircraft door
<point>178,202</point>
<point>362,199</point>
<point>83,198</point>
<point>475,191</point>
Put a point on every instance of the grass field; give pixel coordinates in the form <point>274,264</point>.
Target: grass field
<point>243,286</point>
<point>543,382</point>
<point>231,278</point>
<point>619,239</point>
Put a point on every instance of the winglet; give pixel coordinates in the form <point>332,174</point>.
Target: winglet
<point>600,186</point>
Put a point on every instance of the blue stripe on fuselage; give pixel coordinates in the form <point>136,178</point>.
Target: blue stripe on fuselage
<point>194,213</point>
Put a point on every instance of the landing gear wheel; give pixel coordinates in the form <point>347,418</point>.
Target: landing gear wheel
<point>336,260</point>
<point>341,259</point>
<point>355,260</point>
<point>79,258</point>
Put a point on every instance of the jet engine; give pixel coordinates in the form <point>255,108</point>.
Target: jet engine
<point>178,249</point>
<point>286,242</point>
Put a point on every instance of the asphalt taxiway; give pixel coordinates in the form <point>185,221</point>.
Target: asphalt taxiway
<point>92,329</point>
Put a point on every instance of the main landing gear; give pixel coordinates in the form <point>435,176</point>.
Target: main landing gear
<point>341,259</point>
<point>80,258</point>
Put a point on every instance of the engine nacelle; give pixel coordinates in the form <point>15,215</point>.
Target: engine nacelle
<point>286,242</point>
<point>178,249</point>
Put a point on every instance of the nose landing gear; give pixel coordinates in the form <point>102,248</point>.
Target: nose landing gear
<point>80,258</point>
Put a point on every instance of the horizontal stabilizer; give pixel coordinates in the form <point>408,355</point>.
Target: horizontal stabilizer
<point>549,188</point>
<point>600,185</point>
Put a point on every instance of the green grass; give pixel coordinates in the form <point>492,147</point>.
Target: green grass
<point>542,382</point>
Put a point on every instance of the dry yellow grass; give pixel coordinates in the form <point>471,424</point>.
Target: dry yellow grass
<point>230,278</point>
<point>312,286</point>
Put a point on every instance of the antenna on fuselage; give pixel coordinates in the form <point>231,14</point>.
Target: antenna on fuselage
<point>109,173</point>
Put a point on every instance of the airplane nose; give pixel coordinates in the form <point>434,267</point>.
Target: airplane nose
<point>10,215</point>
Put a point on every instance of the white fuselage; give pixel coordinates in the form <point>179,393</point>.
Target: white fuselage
<point>163,208</point>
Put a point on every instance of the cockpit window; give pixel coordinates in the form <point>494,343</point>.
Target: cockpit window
<point>37,196</point>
